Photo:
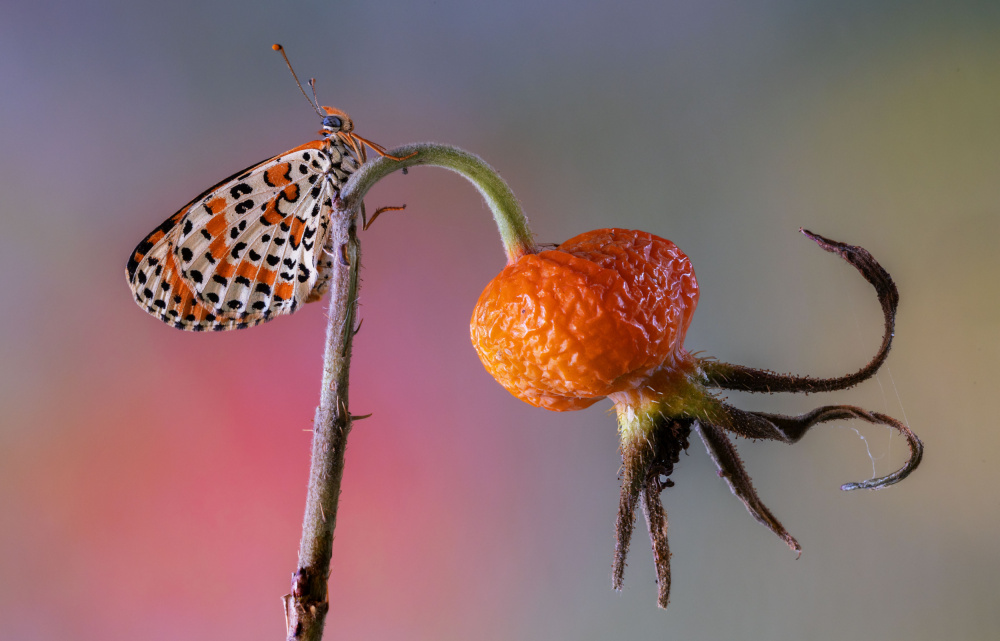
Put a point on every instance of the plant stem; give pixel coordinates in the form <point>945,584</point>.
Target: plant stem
<point>510,219</point>
<point>307,605</point>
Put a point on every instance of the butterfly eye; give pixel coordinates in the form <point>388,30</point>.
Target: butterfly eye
<point>332,122</point>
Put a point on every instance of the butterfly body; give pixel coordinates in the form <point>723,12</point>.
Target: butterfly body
<point>253,246</point>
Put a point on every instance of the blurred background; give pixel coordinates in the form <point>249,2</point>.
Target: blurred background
<point>152,482</point>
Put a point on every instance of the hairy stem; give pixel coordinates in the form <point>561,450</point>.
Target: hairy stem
<point>307,605</point>
<point>510,219</point>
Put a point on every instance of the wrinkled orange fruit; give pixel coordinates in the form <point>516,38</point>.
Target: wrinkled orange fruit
<point>598,315</point>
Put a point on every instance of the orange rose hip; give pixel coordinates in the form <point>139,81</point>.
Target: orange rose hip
<point>599,314</point>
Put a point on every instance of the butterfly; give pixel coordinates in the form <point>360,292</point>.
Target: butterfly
<point>255,245</point>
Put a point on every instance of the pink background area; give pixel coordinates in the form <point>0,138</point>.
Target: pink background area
<point>152,481</point>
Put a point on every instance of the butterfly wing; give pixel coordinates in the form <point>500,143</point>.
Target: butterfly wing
<point>155,280</point>
<point>248,249</point>
<point>159,289</point>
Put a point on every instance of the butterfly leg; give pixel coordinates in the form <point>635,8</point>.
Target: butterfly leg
<point>379,149</point>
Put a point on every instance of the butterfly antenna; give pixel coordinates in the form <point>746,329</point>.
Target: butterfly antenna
<point>312,86</point>
<point>281,50</point>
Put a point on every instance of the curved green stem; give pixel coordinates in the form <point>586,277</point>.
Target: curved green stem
<point>511,221</point>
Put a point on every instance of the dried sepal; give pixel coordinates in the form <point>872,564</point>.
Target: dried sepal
<point>656,523</point>
<point>789,429</point>
<point>651,445</point>
<point>749,379</point>
<point>797,425</point>
<point>722,451</point>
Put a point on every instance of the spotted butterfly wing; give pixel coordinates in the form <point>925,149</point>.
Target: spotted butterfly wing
<point>253,246</point>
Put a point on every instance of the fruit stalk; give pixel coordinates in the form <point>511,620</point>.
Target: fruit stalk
<point>510,219</point>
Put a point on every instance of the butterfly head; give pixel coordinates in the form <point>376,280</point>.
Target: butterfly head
<point>336,121</point>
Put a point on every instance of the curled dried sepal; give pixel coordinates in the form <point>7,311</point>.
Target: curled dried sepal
<point>799,424</point>
<point>789,429</point>
<point>749,379</point>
